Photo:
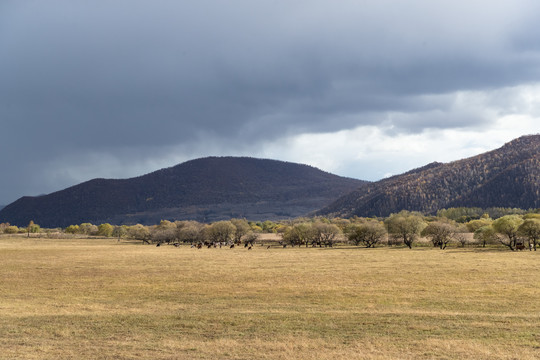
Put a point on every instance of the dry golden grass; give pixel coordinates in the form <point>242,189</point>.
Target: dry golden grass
<point>99,299</point>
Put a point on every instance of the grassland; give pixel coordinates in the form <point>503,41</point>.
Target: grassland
<point>99,299</point>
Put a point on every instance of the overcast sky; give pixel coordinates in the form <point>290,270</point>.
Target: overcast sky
<point>364,89</point>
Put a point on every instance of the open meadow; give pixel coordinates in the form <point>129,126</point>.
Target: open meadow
<point>103,299</point>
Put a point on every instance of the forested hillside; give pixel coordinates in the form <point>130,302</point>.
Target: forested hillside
<point>206,189</point>
<point>506,177</point>
<point>218,188</point>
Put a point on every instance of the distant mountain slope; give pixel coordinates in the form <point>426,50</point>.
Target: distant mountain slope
<point>205,189</point>
<point>506,177</point>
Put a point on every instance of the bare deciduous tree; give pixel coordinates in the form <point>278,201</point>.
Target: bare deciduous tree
<point>530,229</point>
<point>241,228</point>
<point>406,226</point>
<point>139,232</point>
<point>221,231</point>
<point>508,226</point>
<point>369,233</point>
<point>486,235</point>
<point>440,233</point>
<point>120,231</point>
<point>324,234</point>
<point>297,234</point>
<point>190,231</point>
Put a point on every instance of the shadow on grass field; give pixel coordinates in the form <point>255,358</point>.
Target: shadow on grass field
<point>100,299</point>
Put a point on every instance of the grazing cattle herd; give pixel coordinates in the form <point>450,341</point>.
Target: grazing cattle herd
<point>232,244</point>
<point>279,244</point>
<point>216,244</point>
<point>248,244</point>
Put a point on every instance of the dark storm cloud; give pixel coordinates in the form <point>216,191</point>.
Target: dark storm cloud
<point>110,77</point>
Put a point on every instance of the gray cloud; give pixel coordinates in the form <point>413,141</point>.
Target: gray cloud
<point>131,80</point>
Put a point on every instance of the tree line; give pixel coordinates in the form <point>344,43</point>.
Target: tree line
<point>458,226</point>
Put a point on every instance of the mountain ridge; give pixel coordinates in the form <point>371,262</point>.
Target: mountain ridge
<point>505,177</point>
<point>216,188</point>
<point>205,189</point>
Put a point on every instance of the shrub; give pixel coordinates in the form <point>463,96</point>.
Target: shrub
<point>11,230</point>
